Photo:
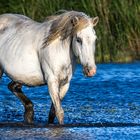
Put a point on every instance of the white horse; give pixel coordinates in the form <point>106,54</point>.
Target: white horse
<point>35,54</point>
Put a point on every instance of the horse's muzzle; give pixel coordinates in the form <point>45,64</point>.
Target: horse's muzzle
<point>89,72</point>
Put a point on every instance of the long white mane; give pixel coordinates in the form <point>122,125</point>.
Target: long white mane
<point>65,25</point>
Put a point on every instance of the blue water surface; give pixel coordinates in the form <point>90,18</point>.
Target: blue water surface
<point>112,95</point>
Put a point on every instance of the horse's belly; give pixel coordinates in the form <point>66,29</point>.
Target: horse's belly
<point>25,70</point>
<point>30,78</point>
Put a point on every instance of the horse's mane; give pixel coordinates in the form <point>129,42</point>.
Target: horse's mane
<point>66,24</point>
<point>55,16</point>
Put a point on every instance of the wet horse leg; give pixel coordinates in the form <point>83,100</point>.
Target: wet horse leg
<point>52,115</point>
<point>62,93</point>
<point>28,105</point>
<point>54,93</point>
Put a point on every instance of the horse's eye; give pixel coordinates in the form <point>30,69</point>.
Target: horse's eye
<point>79,40</point>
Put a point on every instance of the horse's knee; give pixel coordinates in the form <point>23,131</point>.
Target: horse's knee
<point>29,108</point>
<point>63,90</point>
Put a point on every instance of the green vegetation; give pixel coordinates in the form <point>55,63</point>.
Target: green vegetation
<point>118,30</point>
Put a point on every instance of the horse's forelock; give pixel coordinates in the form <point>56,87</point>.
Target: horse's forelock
<point>81,24</point>
<point>63,27</point>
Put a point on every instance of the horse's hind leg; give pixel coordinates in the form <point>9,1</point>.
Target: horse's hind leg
<point>28,105</point>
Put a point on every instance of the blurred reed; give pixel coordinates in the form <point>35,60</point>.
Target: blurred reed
<point>118,30</point>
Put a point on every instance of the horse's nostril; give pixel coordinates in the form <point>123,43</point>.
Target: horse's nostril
<point>86,69</point>
<point>89,71</point>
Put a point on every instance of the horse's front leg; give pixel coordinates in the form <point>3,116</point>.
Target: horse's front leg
<point>62,92</point>
<point>54,93</point>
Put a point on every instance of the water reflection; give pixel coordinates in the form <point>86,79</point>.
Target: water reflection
<point>71,133</point>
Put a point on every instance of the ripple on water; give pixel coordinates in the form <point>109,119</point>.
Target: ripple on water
<point>112,95</point>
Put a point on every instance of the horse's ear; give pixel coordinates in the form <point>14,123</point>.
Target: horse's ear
<point>95,20</point>
<point>74,20</point>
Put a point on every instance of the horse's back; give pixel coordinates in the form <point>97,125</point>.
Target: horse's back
<point>7,20</point>
<point>18,54</point>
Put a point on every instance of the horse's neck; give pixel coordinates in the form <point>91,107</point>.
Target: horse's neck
<point>57,55</point>
<point>64,51</point>
<point>69,56</point>
<point>67,46</point>
<point>42,31</point>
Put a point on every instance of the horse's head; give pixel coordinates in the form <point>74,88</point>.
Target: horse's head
<point>83,44</point>
<point>79,28</point>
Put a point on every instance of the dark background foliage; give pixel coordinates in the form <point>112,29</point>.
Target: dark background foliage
<point>118,30</point>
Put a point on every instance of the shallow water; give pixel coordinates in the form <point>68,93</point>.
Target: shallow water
<point>112,95</point>
<point>129,133</point>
